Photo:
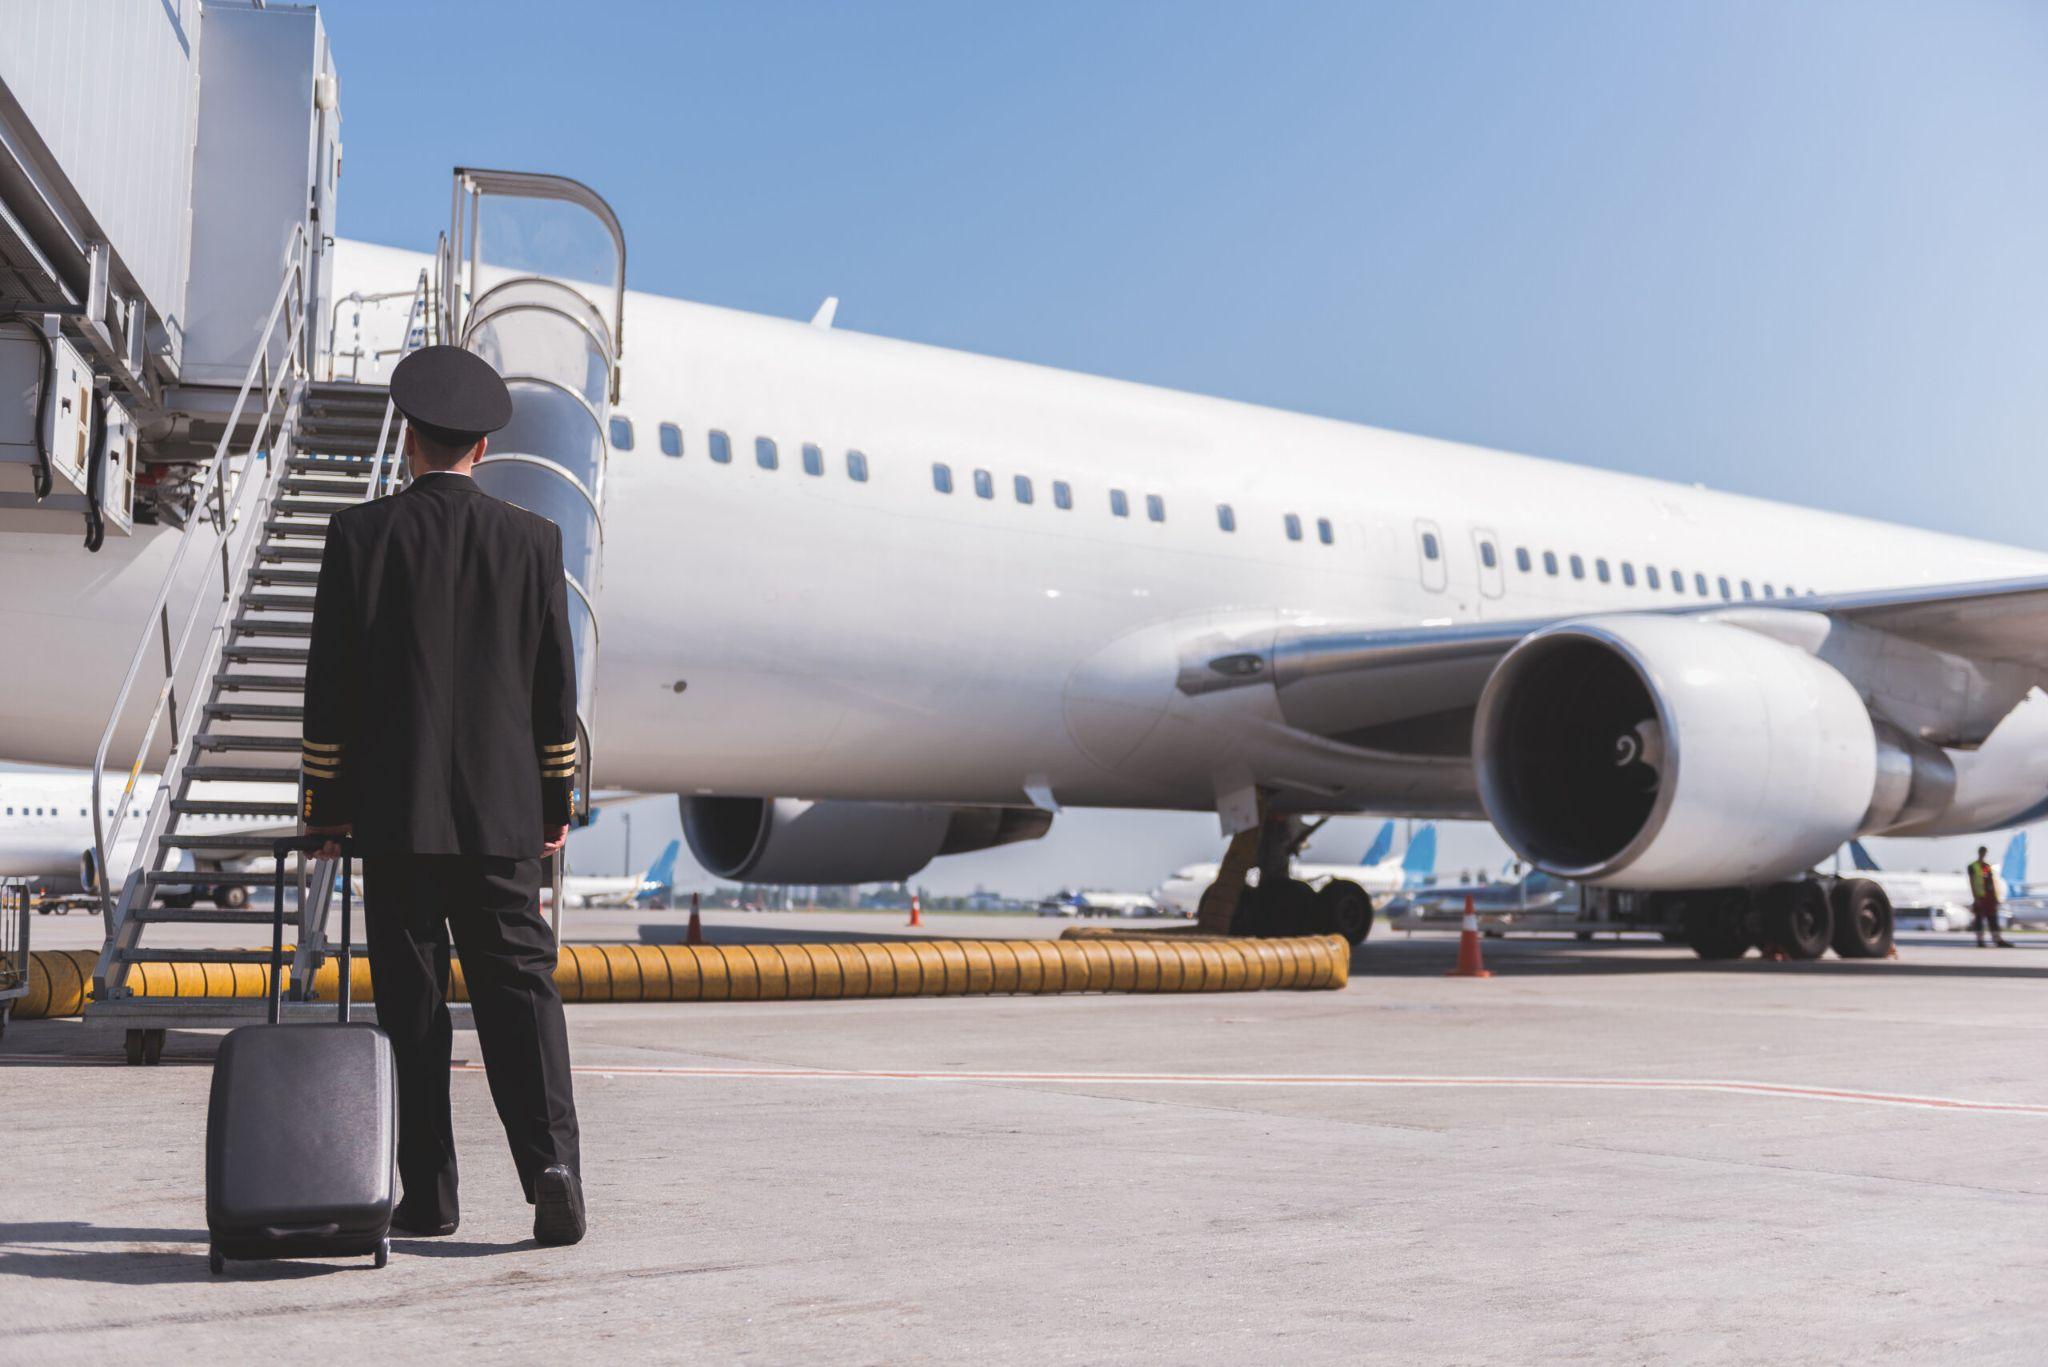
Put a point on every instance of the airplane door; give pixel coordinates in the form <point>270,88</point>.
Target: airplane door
<point>1429,551</point>
<point>1492,578</point>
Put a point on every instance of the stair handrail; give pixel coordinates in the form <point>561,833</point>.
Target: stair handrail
<point>291,289</point>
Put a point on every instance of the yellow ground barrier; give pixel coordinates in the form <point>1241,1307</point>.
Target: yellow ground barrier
<point>60,980</point>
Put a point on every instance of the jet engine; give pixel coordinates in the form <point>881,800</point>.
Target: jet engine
<point>1671,752</point>
<point>786,840</point>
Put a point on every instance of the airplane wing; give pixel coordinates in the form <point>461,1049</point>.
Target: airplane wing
<point>1427,678</point>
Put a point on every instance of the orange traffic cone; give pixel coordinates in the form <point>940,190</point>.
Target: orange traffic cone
<point>916,912</point>
<point>1469,963</point>
<point>695,935</point>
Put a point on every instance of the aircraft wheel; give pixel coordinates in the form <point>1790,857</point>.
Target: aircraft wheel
<point>1863,919</point>
<point>1716,924</point>
<point>231,897</point>
<point>1347,909</point>
<point>1797,918</point>
<point>1254,913</point>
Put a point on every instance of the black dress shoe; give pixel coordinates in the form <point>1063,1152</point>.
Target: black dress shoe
<point>558,1216</point>
<point>412,1226</point>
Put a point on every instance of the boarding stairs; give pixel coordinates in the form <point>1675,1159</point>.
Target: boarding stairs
<point>232,785</point>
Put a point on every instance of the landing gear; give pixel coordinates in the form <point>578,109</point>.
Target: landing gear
<point>1287,906</point>
<point>231,896</point>
<point>1715,922</point>
<point>1796,918</point>
<point>145,1046</point>
<point>1863,920</point>
<point>1347,909</point>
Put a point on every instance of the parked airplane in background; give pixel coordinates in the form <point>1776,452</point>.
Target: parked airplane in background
<point>1942,896</point>
<point>656,887</point>
<point>46,834</point>
<point>1518,889</point>
<point>1377,873</point>
<point>1097,902</point>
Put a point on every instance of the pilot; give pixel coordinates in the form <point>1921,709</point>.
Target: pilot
<point>440,732</point>
<point>1984,901</point>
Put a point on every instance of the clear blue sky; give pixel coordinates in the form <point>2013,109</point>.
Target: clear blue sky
<point>1793,249</point>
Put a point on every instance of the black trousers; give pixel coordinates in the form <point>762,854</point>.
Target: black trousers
<point>411,904</point>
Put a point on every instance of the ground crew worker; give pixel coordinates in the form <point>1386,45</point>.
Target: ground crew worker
<point>440,731</point>
<point>1984,901</point>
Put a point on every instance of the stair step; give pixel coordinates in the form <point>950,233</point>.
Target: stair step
<point>316,531</point>
<point>270,574</point>
<point>197,956</point>
<point>256,711</point>
<point>273,552</point>
<point>192,806</point>
<point>306,507</point>
<point>337,464</point>
<point>197,878</point>
<point>230,681</point>
<point>242,773</point>
<point>259,626</point>
<point>195,917</point>
<point>265,655</point>
<point>231,840</point>
<point>278,602</point>
<point>341,486</point>
<point>218,744</point>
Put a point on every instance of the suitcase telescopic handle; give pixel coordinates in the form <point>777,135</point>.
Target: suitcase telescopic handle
<point>307,844</point>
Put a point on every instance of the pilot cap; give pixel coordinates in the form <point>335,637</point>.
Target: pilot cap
<point>450,395</point>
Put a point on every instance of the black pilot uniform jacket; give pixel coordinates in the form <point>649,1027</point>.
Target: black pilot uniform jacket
<point>441,682</point>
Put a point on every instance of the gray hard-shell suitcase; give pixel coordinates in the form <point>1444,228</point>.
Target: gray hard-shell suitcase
<point>302,1126</point>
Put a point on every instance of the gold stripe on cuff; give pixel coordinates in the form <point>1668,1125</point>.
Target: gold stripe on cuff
<point>322,746</point>
<point>313,771</point>
<point>566,747</point>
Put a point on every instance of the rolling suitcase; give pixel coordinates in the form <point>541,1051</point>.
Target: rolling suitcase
<point>302,1124</point>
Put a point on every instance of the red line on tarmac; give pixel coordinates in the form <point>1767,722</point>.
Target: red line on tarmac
<point>1643,1084</point>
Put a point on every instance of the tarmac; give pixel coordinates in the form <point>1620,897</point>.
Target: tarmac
<point>1608,1151</point>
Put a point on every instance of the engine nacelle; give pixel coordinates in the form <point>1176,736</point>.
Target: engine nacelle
<point>787,840</point>
<point>1671,752</point>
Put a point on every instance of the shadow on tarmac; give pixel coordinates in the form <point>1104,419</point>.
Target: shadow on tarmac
<point>1435,954</point>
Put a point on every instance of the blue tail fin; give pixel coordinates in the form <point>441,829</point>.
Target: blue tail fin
<point>1381,844</point>
<point>1862,858</point>
<point>1419,864</point>
<point>662,872</point>
<point>2013,871</point>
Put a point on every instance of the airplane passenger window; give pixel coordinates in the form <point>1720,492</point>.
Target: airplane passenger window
<point>856,467</point>
<point>984,484</point>
<point>942,477</point>
<point>1522,559</point>
<point>1293,524</point>
<point>721,447</point>
<point>622,433</point>
<point>671,439</point>
<point>1328,536</point>
<point>1430,550</point>
<point>1724,587</point>
<point>1225,518</point>
<point>1119,505</point>
<point>1699,584</point>
<point>1768,593</point>
<point>1578,568</point>
<point>1155,507</point>
<point>1745,590</point>
<point>1486,555</point>
<point>1062,494</point>
<point>1628,574</point>
<point>1550,563</point>
<point>1023,488</point>
<point>1600,568</point>
<point>814,460</point>
<point>764,453</point>
<point>1650,577</point>
<point>1678,581</point>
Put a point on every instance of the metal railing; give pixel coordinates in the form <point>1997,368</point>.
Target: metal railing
<point>228,501</point>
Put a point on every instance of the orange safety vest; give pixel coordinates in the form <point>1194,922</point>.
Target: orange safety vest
<point>1982,885</point>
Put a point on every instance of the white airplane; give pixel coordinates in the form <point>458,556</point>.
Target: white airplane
<point>46,833</point>
<point>657,885</point>
<point>1379,873</point>
<point>868,602</point>
<point>1097,902</point>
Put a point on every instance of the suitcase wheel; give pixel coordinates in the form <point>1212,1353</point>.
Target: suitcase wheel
<point>214,1262</point>
<point>383,1251</point>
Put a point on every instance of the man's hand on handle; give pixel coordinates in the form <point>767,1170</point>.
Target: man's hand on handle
<point>332,849</point>
<point>557,836</point>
